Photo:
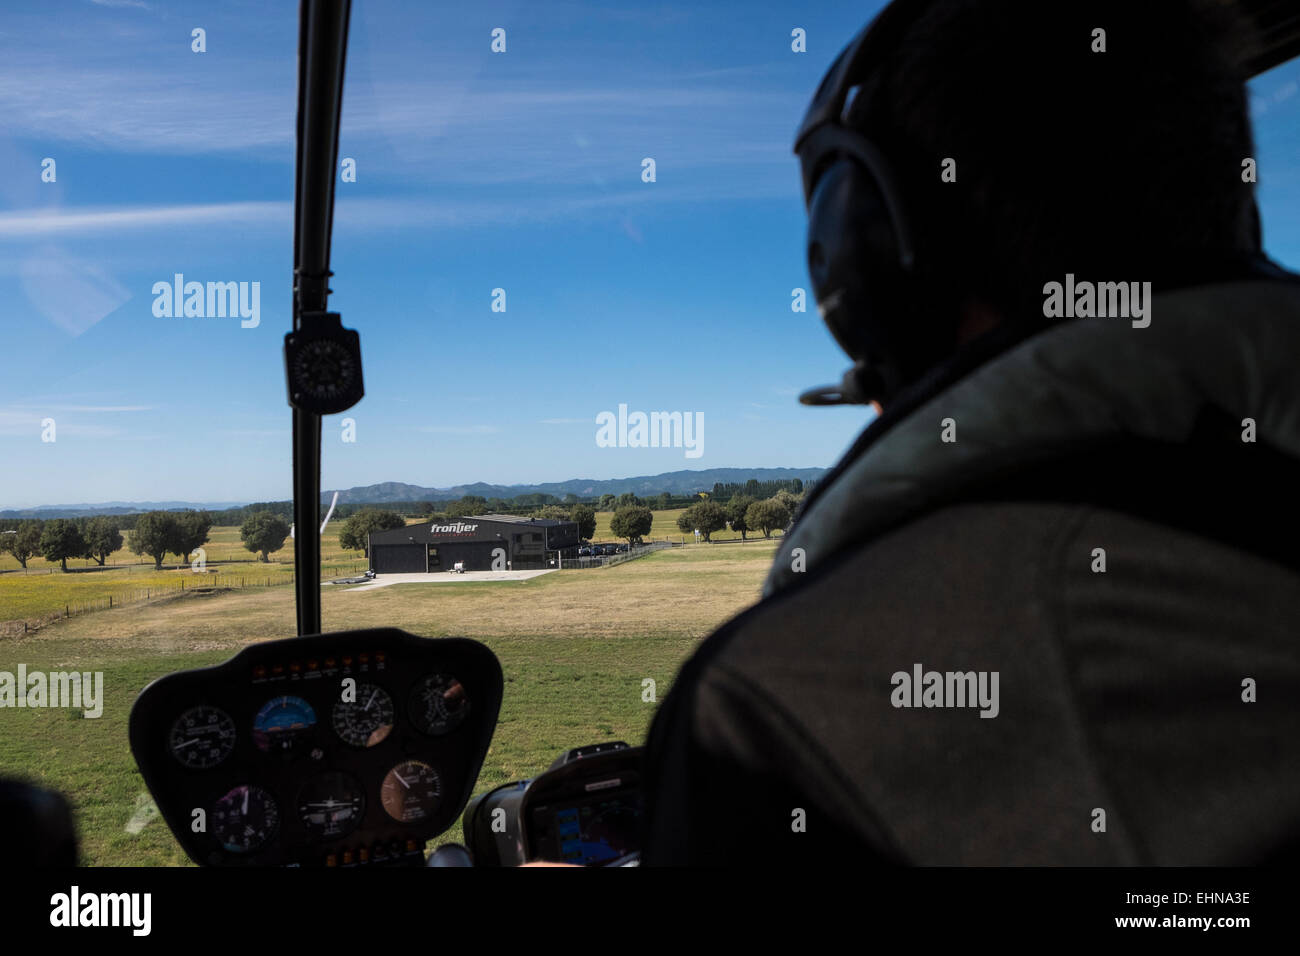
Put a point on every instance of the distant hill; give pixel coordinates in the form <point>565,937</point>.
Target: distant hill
<point>115,508</point>
<point>674,482</point>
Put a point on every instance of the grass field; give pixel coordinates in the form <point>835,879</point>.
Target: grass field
<point>44,590</point>
<point>575,647</point>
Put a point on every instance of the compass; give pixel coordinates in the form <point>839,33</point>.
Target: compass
<point>323,364</point>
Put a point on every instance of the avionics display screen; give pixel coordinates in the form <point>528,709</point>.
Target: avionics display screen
<point>594,830</point>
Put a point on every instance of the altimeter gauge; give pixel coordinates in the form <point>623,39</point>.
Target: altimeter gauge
<point>202,737</point>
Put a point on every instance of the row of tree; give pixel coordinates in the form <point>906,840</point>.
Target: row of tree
<point>62,538</point>
<point>742,513</point>
<point>263,531</point>
<point>465,505</point>
<point>155,533</point>
<point>760,489</point>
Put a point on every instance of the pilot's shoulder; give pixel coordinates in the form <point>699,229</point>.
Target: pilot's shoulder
<point>968,566</point>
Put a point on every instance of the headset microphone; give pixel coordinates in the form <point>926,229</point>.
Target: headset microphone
<point>858,387</point>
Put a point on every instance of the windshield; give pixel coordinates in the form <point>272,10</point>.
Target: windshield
<point>574,252</point>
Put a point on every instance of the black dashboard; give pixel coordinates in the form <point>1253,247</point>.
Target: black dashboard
<point>345,749</point>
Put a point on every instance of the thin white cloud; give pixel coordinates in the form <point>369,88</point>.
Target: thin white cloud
<point>27,223</point>
<point>368,214</point>
<point>443,130</point>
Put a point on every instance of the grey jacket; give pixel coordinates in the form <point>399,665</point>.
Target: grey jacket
<point>1099,540</point>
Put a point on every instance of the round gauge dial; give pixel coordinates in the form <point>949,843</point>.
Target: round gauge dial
<point>331,805</point>
<point>438,704</point>
<point>411,792</point>
<point>202,737</point>
<point>367,720</point>
<point>323,369</point>
<point>245,818</point>
<point>282,725</point>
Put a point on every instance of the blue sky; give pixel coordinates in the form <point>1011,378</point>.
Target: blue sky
<point>474,171</point>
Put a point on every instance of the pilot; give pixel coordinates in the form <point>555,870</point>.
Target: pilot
<point>1044,610</point>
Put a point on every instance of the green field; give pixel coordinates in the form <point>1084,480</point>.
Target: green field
<point>43,590</point>
<point>575,647</point>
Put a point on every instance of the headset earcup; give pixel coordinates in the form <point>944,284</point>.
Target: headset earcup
<point>853,262</point>
<point>896,321</point>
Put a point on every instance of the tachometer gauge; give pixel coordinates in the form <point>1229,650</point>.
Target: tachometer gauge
<point>282,724</point>
<point>202,737</point>
<point>438,704</point>
<point>331,805</point>
<point>245,818</point>
<point>411,792</point>
<point>367,720</point>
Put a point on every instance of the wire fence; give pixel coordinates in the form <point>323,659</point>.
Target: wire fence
<point>609,560</point>
<point>201,583</point>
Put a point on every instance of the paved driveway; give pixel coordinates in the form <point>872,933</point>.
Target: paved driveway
<point>446,577</point>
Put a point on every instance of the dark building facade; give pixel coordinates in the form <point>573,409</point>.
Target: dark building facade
<point>482,542</point>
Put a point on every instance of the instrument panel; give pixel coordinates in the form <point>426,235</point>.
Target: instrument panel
<point>344,749</point>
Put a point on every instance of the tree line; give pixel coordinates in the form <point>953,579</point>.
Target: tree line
<point>155,533</point>
<point>759,490</point>
<point>265,527</point>
<point>742,513</point>
<point>62,538</point>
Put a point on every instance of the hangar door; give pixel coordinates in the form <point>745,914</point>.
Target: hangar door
<point>398,558</point>
<point>477,555</point>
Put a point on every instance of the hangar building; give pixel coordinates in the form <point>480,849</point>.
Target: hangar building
<point>517,543</point>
